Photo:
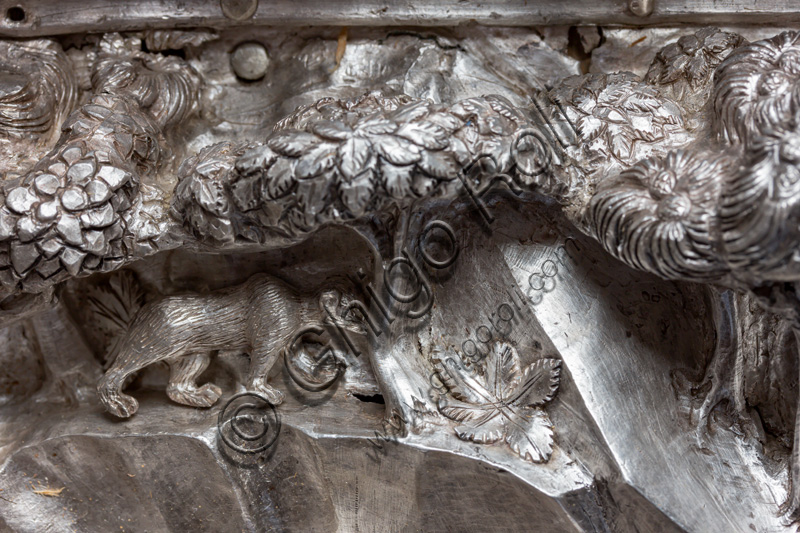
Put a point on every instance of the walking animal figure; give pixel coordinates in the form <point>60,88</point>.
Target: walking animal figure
<point>257,317</point>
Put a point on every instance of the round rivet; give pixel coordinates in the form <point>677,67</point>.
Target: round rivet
<point>239,9</point>
<point>641,8</point>
<point>250,61</point>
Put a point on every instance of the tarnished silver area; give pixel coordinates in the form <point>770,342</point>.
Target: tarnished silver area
<point>375,278</point>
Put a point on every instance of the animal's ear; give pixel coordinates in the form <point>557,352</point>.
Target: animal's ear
<point>355,327</point>
<point>330,299</point>
<point>336,302</point>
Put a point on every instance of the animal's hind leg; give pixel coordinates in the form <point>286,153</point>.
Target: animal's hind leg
<point>183,388</point>
<point>109,388</point>
<point>262,357</point>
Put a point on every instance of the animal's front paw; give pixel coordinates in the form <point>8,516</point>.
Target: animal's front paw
<point>210,393</point>
<point>122,406</point>
<point>204,396</point>
<point>272,394</point>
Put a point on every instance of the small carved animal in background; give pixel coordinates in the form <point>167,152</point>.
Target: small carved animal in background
<point>258,316</point>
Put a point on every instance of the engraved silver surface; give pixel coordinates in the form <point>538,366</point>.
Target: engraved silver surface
<point>264,275</point>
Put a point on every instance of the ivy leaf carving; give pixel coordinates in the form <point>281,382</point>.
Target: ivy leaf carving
<point>620,143</point>
<point>312,196</point>
<point>501,401</point>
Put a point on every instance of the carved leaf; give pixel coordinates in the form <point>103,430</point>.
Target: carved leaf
<point>490,430</point>
<point>613,115</point>
<point>614,94</point>
<point>530,435</point>
<point>245,193</point>
<point>446,121</point>
<point>427,134</point>
<point>537,385</point>
<point>212,198</point>
<point>698,67</point>
<point>590,127</point>
<point>353,156</point>
<point>255,159</point>
<point>496,406</point>
<point>411,112</point>
<point>643,103</point>
<point>504,108</point>
<point>438,164</point>
<point>620,144</point>
<point>357,194</point>
<point>480,111</point>
<point>585,101</point>
<point>471,108</point>
<point>467,412</point>
<point>643,127</point>
<point>312,196</point>
<point>668,113</point>
<point>316,161</point>
<point>502,368</point>
<point>396,149</point>
<point>674,71</point>
<point>280,178</point>
<point>334,130</point>
<point>458,381</point>
<point>292,143</point>
<point>397,180</point>
<point>377,126</point>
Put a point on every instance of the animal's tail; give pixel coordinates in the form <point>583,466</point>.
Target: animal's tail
<point>114,305</point>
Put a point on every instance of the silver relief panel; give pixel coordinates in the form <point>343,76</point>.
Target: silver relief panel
<point>263,275</point>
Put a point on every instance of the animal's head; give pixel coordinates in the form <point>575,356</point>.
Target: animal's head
<point>335,306</point>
